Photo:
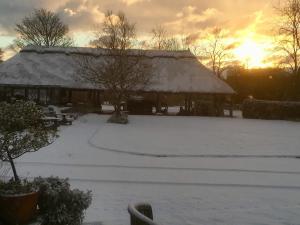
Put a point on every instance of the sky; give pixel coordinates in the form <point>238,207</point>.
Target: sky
<point>248,23</point>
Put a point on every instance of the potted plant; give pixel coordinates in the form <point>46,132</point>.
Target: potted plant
<point>22,130</point>
<point>59,204</point>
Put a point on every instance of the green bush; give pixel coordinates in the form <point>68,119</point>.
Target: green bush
<point>272,110</point>
<point>58,204</point>
<point>13,187</point>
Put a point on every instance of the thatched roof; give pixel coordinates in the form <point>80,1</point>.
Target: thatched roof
<point>173,71</point>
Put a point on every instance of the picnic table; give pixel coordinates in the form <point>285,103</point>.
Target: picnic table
<point>63,119</point>
<point>51,120</point>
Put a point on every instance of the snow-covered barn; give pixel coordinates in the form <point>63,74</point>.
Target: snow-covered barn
<point>49,75</point>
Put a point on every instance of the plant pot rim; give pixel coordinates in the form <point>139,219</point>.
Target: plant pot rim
<point>19,195</point>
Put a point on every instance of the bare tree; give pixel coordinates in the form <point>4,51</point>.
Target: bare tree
<point>216,51</point>
<point>116,32</point>
<point>288,41</point>
<point>42,28</point>
<point>121,70</point>
<point>161,40</point>
<point>289,34</point>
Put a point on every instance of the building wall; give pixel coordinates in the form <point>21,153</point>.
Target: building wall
<point>193,104</point>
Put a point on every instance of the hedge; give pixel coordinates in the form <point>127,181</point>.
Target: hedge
<point>271,110</point>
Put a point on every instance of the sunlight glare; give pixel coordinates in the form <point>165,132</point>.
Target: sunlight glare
<point>251,54</point>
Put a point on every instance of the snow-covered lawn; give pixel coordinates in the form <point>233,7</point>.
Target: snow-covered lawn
<point>196,136</point>
<point>193,170</point>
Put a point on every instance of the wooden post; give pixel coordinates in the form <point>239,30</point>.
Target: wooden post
<point>231,107</point>
<point>90,97</point>
<point>158,103</point>
<point>99,98</point>
<point>185,103</point>
<point>215,105</point>
<point>47,96</point>
<point>189,103</point>
<point>51,96</point>
<point>70,96</point>
<point>59,96</point>
<point>95,98</point>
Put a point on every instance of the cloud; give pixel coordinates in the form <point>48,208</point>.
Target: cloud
<point>131,2</point>
<point>81,14</point>
<point>12,12</point>
<point>191,19</point>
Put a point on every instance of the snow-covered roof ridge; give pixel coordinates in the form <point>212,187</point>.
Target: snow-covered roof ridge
<point>173,71</point>
<point>103,52</point>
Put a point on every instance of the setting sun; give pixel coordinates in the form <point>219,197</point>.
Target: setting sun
<point>251,54</point>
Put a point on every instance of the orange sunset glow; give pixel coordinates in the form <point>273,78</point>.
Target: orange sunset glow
<point>250,25</point>
<point>251,54</point>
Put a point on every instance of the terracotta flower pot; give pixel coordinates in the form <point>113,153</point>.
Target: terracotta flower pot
<point>18,209</point>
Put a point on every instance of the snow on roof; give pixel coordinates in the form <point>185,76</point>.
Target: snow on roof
<point>173,71</point>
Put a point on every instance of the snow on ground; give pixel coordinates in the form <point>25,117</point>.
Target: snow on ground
<point>196,136</point>
<point>193,170</point>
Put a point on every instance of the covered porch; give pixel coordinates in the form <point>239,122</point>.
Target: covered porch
<point>190,104</point>
<point>45,95</point>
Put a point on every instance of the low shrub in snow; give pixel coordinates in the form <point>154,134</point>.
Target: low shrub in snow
<point>273,110</point>
<point>13,187</point>
<point>121,119</point>
<point>58,204</point>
